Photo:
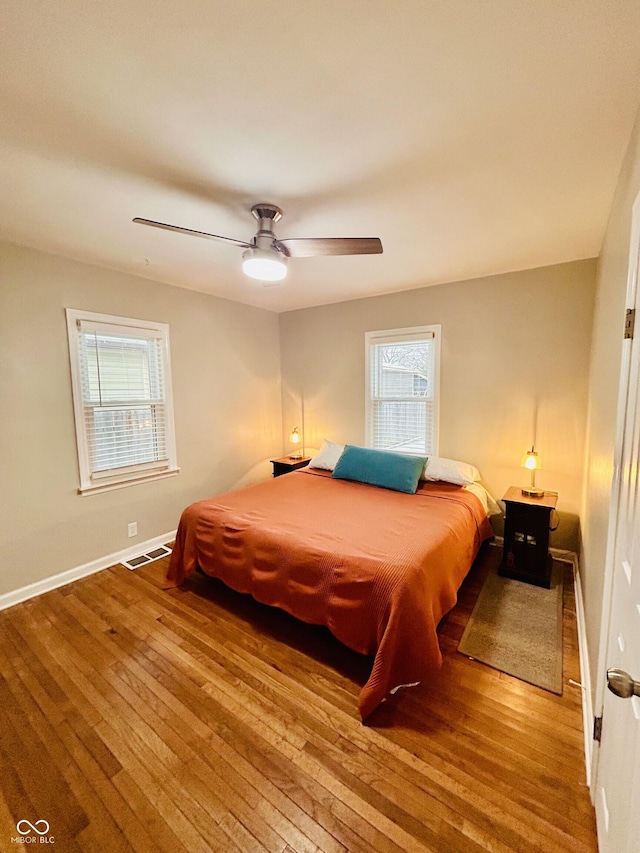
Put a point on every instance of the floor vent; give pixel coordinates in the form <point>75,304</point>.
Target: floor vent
<point>141,560</point>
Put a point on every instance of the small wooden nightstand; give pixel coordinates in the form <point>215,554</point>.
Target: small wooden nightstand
<point>285,464</point>
<point>526,537</point>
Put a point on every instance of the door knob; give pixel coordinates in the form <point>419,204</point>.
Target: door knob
<point>621,683</point>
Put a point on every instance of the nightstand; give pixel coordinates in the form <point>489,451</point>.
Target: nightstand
<point>285,464</point>
<point>526,537</point>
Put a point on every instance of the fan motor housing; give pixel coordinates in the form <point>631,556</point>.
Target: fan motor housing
<point>268,212</point>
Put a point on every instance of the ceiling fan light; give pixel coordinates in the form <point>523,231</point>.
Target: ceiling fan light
<point>264,265</point>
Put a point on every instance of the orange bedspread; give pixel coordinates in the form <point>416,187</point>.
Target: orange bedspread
<point>378,568</point>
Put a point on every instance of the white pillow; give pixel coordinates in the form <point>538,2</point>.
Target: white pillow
<point>328,456</point>
<point>487,501</point>
<point>450,470</point>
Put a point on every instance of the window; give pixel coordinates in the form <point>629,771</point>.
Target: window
<point>402,374</point>
<point>121,382</point>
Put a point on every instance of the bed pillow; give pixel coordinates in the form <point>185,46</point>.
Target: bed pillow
<point>450,470</point>
<point>328,456</point>
<point>395,471</point>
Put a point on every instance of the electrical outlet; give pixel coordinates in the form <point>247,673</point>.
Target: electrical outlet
<point>132,529</point>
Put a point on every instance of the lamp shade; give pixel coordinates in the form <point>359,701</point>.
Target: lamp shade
<point>531,460</point>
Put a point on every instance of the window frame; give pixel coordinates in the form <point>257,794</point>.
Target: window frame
<point>400,336</point>
<point>97,481</point>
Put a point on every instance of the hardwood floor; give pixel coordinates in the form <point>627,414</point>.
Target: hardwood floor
<point>199,720</point>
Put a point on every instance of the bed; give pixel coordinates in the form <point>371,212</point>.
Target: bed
<point>378,568</point>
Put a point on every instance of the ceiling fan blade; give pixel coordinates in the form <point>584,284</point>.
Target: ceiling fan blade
<point>310,247</point>
<point>191,231</point>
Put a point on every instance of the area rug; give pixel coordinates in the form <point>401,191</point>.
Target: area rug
<point>516,627</point>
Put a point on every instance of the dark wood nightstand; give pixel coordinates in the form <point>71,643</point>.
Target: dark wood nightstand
<point>526,537</point>
<point>285,464</point>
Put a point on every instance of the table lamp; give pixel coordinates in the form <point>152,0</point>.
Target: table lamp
<point>532,461</point>
<point>294,438</point>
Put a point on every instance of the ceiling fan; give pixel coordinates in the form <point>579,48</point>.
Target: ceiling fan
<point>266,257</point>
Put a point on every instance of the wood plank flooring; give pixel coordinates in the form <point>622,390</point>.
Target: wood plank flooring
<point>135,719</point>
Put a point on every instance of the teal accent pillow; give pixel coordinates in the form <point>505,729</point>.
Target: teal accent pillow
<point>383,468</point>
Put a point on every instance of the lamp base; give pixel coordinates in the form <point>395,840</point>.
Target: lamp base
<point>532,492</point>
<point>295,456</point>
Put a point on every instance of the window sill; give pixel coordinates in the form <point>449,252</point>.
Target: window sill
<point>133,481</point>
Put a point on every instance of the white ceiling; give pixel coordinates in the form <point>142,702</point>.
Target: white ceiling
<point>472,136</point>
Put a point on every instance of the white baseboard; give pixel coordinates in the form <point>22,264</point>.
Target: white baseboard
<point>585,672</point>
<point>585,677</point>
<point>8,599</point>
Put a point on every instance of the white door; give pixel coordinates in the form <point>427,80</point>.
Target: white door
<point>617,793</point>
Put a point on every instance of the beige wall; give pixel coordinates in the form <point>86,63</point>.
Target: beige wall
<point>515,361</point>
<point>226,379</point>
<point>603,391</point>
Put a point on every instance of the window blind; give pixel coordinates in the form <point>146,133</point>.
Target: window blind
<point>123,397</point>
<point>402,390</point>
<point>123,419</point>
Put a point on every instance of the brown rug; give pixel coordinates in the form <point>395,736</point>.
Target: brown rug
<point>517,628</point>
